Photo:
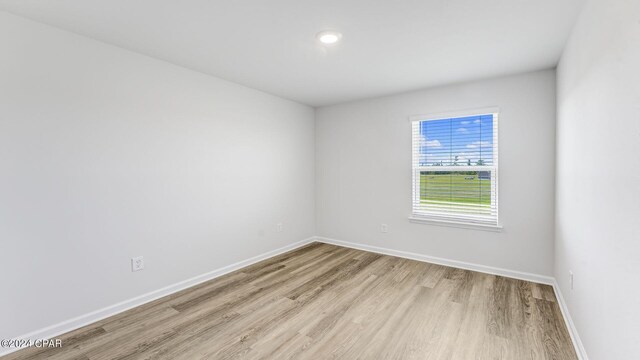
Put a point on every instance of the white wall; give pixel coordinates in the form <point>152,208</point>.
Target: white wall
<point>598,174</point>
<point>106,154</point>
<point>363,154</point>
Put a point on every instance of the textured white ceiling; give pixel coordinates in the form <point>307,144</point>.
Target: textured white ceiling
<point>388,46</point>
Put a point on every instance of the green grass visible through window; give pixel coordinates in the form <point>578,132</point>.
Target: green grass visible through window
<point>465,187</point>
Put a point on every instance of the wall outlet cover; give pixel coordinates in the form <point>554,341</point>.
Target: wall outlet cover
<point>137,263</point>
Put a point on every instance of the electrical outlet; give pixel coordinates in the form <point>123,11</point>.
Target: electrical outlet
<point>384,228</point>
<point>571,279</point>
<point>137,263</point>
<point>279,227</point>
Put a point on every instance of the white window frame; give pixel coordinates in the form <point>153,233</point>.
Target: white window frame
<point>459,220</point>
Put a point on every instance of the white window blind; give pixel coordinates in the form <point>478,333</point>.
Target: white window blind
<point>455,168</point>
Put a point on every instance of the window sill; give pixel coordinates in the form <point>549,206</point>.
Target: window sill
<point>457,224</point>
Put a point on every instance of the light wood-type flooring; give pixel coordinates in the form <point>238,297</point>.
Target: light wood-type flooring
<point>323,301</point>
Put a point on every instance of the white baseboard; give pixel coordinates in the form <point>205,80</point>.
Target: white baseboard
<point>573,332</point>
<point>86,319</point>
<point>541,279</point>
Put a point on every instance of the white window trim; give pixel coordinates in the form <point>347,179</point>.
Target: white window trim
<point>456,224</point>
<point>443,220</point>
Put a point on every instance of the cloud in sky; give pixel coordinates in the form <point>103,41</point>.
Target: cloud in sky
<point>478,144</point>
<point>463,130</point>
<point>430,143</point>
<point>466,122</point>
<point>476,121</point>
<point>433,143</point>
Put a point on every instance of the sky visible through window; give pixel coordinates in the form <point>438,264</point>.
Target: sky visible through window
<point>463,141</point>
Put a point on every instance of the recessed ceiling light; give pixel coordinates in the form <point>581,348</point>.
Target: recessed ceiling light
<point>329,37</point>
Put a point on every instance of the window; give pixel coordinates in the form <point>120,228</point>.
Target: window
<point>455,168</point>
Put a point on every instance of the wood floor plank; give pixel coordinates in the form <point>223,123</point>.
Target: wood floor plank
<point>329,302</point>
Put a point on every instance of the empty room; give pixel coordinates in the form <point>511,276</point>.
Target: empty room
<point>340,179</point>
